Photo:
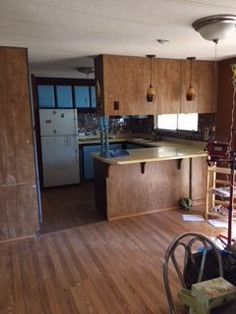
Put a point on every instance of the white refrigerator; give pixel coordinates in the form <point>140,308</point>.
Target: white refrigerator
<point>59,146</point>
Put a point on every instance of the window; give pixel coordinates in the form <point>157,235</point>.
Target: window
<point>167,121</point>
<point>182,121</point>
<point>188,121</point>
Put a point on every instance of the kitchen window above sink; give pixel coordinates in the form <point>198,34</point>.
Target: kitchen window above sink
<point>181,121</point>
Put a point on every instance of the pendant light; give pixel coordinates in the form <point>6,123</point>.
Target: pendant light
<point>151,92</point>
<point>216,69</point>
<point>191,94</point>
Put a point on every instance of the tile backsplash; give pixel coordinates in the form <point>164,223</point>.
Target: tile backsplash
<point>88,124</point>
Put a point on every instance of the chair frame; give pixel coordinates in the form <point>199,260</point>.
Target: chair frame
<point>170,255</point>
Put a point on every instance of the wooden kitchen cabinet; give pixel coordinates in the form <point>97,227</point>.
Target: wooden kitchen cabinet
<point>204,83</point>
<point>122,82</point>
<point>167,81</point>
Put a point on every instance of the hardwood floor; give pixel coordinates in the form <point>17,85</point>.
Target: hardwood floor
<point>68,207</point>
<point>100,268</point>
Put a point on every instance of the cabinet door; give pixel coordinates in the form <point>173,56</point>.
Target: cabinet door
<point>64,96</point>
<point>93,96</point>
<point>125,82</point>
<point>88,160</point>
<point>82,97</point>
<point>204,83</point>
<point>167,82</point>
<point>46,97</point>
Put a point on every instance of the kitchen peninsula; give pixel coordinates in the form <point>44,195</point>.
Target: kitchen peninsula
<point>149,179</point>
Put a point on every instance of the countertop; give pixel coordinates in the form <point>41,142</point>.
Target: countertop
<point>96,140</point>
<point>156,151</point>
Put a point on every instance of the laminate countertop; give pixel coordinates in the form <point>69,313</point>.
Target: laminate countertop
<point>88,141</point>
<point>156,151</point>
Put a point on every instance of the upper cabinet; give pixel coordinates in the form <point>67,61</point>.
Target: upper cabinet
<point>166,80</point>
<point>64,96</point>
<point>122,83</point>
<point>204,83</point>
<point>65,93</point>
<point>46,98</point>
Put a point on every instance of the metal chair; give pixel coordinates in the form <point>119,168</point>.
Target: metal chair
<point>188,241</point>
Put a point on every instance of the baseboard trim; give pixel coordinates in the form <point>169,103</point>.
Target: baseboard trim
<point>142,213</point>
<point>32,236</point>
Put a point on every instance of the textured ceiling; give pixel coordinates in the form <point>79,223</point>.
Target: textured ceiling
<point>61,34</point>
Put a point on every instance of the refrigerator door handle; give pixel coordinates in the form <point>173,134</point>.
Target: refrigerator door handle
<point>76,156</point>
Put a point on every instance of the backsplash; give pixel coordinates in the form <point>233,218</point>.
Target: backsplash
<point>88,124</point>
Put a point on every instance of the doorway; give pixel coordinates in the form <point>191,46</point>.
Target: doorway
<point>64,201</point>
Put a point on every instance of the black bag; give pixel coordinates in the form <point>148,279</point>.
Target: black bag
<point>211,268</point>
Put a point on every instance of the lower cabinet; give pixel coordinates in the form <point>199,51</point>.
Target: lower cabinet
<point>86,151</point>
<point>87,159</point>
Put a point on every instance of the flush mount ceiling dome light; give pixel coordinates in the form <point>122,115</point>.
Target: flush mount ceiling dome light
<point>215,27</point>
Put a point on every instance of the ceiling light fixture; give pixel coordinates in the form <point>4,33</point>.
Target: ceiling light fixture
<point>151,92</point>
<point>85,70</point>
<point>162,41</point>
<point>215,27</point>
<point>191,94</point>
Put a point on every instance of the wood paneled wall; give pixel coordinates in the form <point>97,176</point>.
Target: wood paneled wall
<point>123,190</point>
<point>18,198</point>
<point>225,101</point>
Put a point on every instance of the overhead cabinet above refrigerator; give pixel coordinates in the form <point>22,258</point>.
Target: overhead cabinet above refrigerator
<point>59,146</point>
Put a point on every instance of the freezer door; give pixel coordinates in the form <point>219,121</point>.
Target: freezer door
<point>58,122</point>
<point>60,158</point>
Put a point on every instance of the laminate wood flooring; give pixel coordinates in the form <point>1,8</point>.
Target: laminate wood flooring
<point>99,268</point>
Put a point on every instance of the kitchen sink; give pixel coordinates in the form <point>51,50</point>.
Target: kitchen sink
<point>140,139</point>
<point>84,139</point>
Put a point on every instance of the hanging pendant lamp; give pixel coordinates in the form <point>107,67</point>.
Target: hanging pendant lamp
<point>151,92</point>
<point>191,94</point>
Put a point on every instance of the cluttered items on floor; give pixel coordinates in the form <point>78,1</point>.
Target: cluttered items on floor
<point>193,218</point>
<point>206,273</point>
<point>207,295</point>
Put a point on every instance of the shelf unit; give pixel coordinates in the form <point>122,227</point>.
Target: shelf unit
<point>213,182</point>
<point>216,186</point>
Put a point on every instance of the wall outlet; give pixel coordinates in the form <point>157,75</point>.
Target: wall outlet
<point>116,105</point>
